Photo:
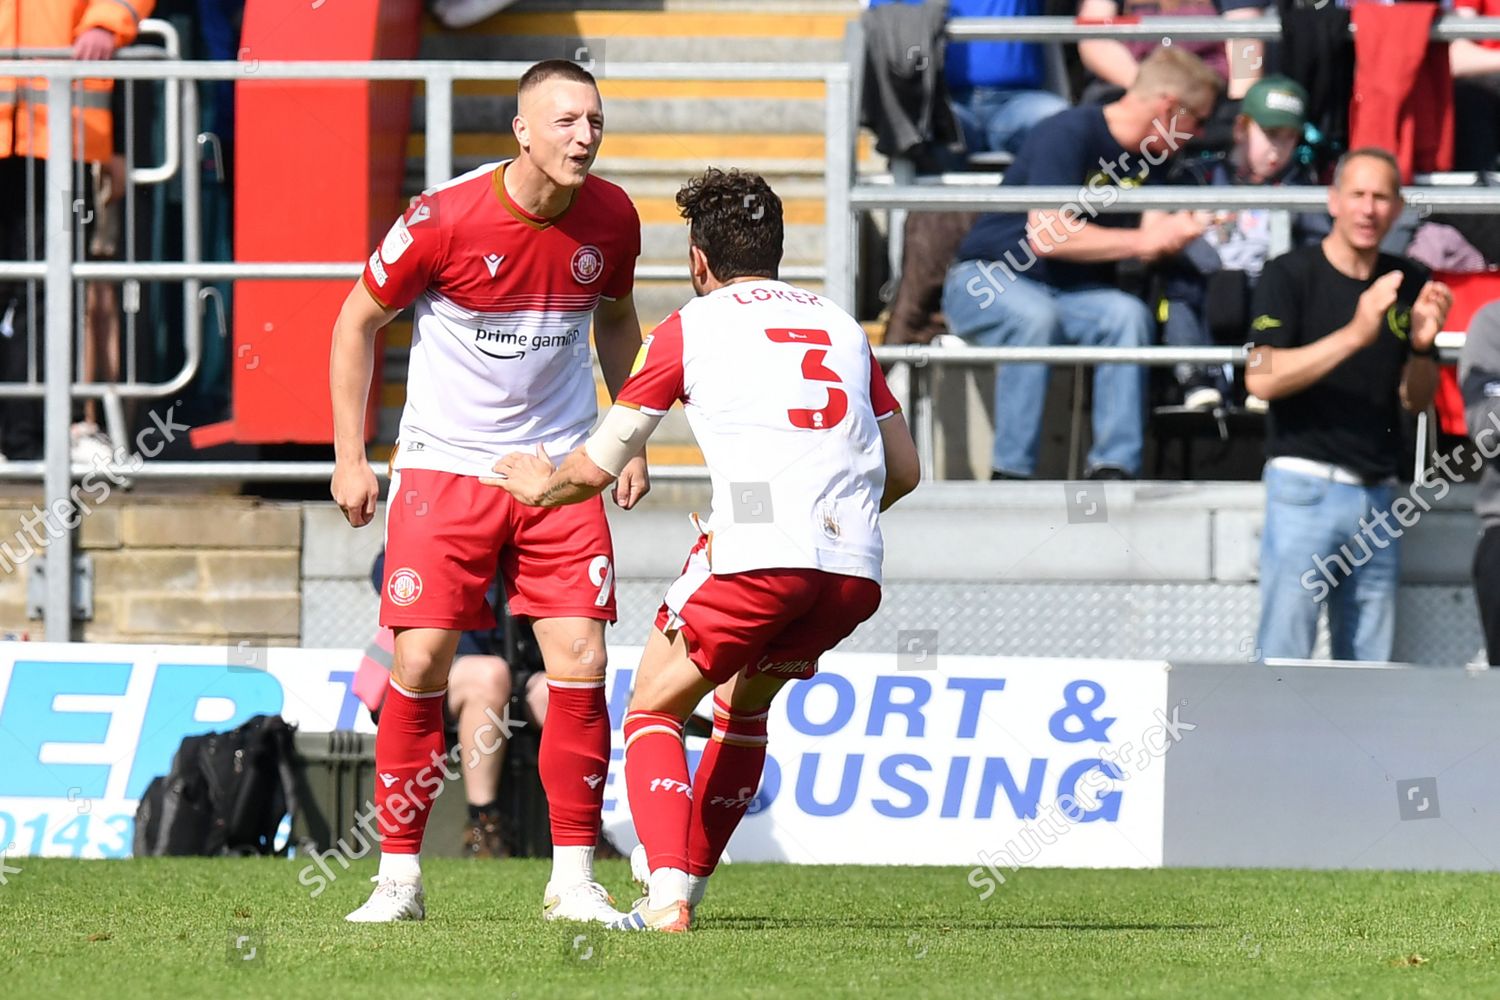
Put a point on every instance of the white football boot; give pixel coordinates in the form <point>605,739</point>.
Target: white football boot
<point>588,902</point>
<point>393,899</point>
<point>640,872</point>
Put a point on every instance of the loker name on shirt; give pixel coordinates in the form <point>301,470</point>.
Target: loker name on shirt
<point>754,295</point>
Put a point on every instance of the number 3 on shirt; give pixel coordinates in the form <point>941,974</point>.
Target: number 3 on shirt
<point>814,370</point>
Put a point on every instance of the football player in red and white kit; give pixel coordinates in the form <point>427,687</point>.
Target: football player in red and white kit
<point>805,446</point>
<point>506,265</point>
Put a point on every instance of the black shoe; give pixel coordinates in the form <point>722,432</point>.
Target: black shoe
<point>996,475</point>
<point>485,837</point>
<point>1107,472</point>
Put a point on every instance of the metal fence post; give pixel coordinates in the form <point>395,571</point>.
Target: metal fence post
<point>60,217</point>
<point>192,234</point>
<point>838,158</point>
<point>439,128</point>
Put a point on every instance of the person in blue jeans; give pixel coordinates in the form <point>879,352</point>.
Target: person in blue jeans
<point>998,89</point>
<point>1345,337</point>
<point>1046,277</point>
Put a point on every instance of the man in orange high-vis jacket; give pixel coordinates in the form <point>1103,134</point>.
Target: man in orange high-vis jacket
<point>92,30</point>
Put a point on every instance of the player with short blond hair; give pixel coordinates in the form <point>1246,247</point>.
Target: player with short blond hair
<point>507,265</point>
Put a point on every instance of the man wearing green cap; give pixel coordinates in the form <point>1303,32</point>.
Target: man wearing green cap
<point>1235,244</point>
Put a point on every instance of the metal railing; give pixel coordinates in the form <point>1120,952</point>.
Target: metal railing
<point>844,196</point>
<point>59,270</point>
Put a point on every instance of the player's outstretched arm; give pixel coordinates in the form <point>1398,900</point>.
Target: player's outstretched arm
<point>351,365</point>
<point>617,338</point>
<point>903,467</point>
<point>532,480</point>
<point>586,472</point>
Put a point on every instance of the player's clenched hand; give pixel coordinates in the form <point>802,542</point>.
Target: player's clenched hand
<point>633,484</point>
<point>521,475</point>
<point>355,490</point>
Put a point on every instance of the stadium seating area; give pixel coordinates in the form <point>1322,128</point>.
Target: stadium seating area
<point>662,130</point>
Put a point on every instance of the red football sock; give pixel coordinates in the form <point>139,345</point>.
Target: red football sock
<point>408,739</point>
<point>728,776</point>
<point>574,760</point>
<point>656,779</point>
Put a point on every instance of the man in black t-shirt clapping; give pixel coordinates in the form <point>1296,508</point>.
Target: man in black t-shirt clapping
<point>1345,337</point>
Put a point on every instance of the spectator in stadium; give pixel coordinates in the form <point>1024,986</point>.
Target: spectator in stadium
<point>1479,377</point>
<point>101,343</point>
<point>1020,282</point>
<point>1113,64</point>
<point>998,89</point>
<point>479,691</point>
<point>1476,92</point>
<point>1229,256</point>
<point>93,30</point>
<point>1344,338</point>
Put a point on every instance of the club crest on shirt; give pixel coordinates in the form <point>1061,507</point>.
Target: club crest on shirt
<point>588,264</point>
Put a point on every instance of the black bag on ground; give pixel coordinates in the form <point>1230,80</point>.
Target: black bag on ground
<point>225,794</point>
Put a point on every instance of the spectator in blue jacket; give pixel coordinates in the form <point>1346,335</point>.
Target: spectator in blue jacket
<point>999,89</point>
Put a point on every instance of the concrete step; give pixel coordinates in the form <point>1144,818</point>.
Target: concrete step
<point>647,179</point>
<point>705,147</point>
<point>661,90</point>
<point>628,172</point>
<point>602,49</point>
<point>745,19</point>
<point>675,114</point>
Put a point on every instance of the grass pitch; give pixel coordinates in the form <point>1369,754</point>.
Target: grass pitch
<point>245,928</point>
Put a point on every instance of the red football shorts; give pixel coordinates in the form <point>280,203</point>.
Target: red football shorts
<point>446,533</point>
<point>764,621</point>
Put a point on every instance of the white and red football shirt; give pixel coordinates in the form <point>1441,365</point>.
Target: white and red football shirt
<point>499,349</point>
<point>785,398</point>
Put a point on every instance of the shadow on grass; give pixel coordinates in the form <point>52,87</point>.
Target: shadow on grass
<point>908,924</point>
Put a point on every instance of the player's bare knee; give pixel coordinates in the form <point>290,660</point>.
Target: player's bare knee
<point>572,649</point>
<point>423,658</point>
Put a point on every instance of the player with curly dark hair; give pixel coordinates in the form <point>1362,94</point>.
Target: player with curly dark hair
<point>735,219</point>
<point>805,446</point>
